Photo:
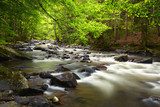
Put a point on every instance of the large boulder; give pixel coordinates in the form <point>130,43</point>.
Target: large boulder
<point>7,53</point>
<point>67,80</point>
<point>12,80</point>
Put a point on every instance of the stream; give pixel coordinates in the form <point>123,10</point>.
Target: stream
<point>122,84</point>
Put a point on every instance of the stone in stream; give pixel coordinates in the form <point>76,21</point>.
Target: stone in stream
<point>100,67</point>
<point>152,101</point>
<point>85,58</point>
<point>121,58</point>
<point>37,82</point>
<point>64,80</point>
<point>146,61</point>
<point>62,68</point>
<point>86,71</point>
<point>65,56</point>
<point>9,104</point>
<point>53,47</point>
<point>11,80</point>
<point>45,75</point>
<point>34,101</point>
<point>76,76</point>
<point>41,47</point>
<point>29,92</point>
<point>55,52</point>
<point>6,96</point>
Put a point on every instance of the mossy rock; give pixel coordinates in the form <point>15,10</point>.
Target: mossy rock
<point>14,80</point>
<point>7,53</point>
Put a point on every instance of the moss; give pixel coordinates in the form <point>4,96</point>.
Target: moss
<point>7,53</point>
<point>15,79</point>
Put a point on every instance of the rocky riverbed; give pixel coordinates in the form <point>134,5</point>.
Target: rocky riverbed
<point>70,76</point>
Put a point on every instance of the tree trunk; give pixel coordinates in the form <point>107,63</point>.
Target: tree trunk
<point>158,30</point>
<point>144,30</point>
<point>126,25</point>
<point>55,32</point>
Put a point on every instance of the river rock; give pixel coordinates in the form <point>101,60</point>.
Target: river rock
<point>39,101</point>
<point>45,75</point>
<point>53,47</point>
<point>37,82</point>
<point>9,104</point>
<point>45,87</point>
<point>121,58</point>
<point>12,81</point>
<point>42,47</point>
<point>76,76</point>
<point>86,71</point>
<point>100,67</point>
<point>6,96</point>
<point>34,101</point>
<point>146,61</point>
<point>8,53</point>
<point>62,68</point>
<point>29,92</point>
<point>64,80</point>
<point>152,101</point>
<point>85,58</point>
<point>65,56</point>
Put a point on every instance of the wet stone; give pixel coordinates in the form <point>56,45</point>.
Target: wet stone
<point>64,80</point>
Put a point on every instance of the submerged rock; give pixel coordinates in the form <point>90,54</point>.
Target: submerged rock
<point>64,80</point>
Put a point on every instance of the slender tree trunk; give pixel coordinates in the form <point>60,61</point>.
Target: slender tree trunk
<point>55,32</point>
<point>126,24</point>
<point>158,30</point>
<point>144,30</point>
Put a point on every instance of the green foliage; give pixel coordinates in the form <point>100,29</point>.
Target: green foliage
<point>76,21</point>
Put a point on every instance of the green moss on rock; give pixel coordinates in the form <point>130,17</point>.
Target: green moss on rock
<point>14,79</point>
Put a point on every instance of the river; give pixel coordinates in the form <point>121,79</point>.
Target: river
<point>123,84</point>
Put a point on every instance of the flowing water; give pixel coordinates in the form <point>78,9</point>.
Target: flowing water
<point>123,84</point>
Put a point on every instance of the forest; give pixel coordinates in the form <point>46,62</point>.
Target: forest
<point>102,23</point>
